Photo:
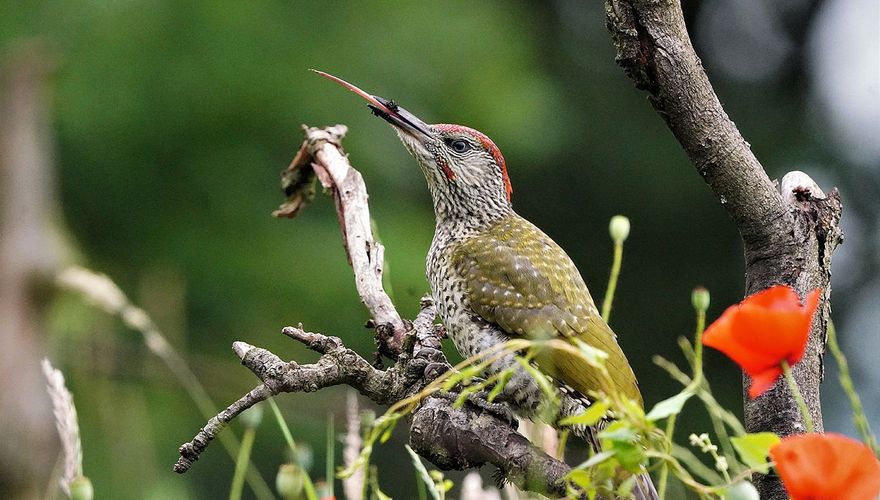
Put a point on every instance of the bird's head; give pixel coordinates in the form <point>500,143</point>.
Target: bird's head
<point>465,170</point>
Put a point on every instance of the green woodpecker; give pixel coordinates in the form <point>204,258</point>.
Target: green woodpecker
<point>495,276</point>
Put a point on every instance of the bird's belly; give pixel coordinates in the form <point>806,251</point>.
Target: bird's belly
<point>472,336</point>
<point>521,391</point>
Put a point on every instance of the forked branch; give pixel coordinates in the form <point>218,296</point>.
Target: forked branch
<point>451,437</point>
<point>788,237</point>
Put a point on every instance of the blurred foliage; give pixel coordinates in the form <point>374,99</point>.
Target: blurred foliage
<point>174,119</point>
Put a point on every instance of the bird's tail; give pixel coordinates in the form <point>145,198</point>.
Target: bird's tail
<point>644,488</point>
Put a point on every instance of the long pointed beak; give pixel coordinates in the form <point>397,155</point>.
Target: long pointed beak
<point>387,110</point>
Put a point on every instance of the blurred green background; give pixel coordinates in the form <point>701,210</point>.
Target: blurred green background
<point>171,120</point>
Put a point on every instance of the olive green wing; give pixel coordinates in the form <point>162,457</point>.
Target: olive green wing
<point>519,279</point>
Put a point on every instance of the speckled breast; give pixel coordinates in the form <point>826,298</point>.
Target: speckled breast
<point>448,290</point>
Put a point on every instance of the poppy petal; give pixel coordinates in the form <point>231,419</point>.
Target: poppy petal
<point>720,333</point>
<point>777,297</point>
<point>827,466</point>
<point>763,381</point>
<point>772,335</point>
<point>763,330</point>
<point>721,327</point>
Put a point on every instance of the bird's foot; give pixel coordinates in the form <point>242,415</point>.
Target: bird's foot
<point>501,411</point>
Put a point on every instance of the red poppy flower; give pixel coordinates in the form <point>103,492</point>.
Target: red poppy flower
<point>820,466</point>
<point>762,331</point>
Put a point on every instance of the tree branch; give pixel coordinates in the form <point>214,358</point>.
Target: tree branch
<point>654,49</point>
<point>321,154</point>
<point>451,437</point>
<point>788,237</point>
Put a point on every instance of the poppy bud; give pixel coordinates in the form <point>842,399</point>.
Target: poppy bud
<point>81,489</point>
<point>289,481</point>
<point>618,228</point>
<point>700,299</point>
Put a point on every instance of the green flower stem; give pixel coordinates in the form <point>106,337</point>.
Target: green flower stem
<point>724,472</point>
<point>698,351</point>
<point>612,281</point>
<point>802,405</point>
<point>705,391</point>
<point>721,418</point>
<point>705,394</point>
<point>208,409</point>
<point>281,423</point>
<point>311,494</point>
<point>664,469</point>
<point>693,387</point>
<point>241,463</point>
<point>861,422</point>
<point>421,489</point>
<point>690,462</point>
<point>683,475</point>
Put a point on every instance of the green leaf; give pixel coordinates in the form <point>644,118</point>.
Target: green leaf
<point>669,407</point>
<point>503,379</point>
<point>377,492</point>
<point>451,382</point>
<point>593,414</point>
<point>619,432</point>
<point>387,426</point>
<point>362,459</point>
<point>596,459</point>
<point>630,455</point>
<point>581,478</point>
<point>626,487</point>
<point>754,448</point>
<point>463,377</point>
<point>463,396</point>
<point>622,439</point>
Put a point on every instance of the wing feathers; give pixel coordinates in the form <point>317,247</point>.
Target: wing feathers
<point>519,279</point>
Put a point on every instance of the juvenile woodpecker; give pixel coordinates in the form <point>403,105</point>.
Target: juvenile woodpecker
<point>495,276</point>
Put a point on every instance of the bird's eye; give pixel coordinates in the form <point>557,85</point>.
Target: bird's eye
<point>460,146</point>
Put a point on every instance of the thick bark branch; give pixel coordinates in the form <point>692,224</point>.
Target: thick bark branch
<point>788,238</point>
<point>452,438</point>
<point>655,50</point>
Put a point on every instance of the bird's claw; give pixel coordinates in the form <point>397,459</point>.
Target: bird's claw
<point>499,410</point>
